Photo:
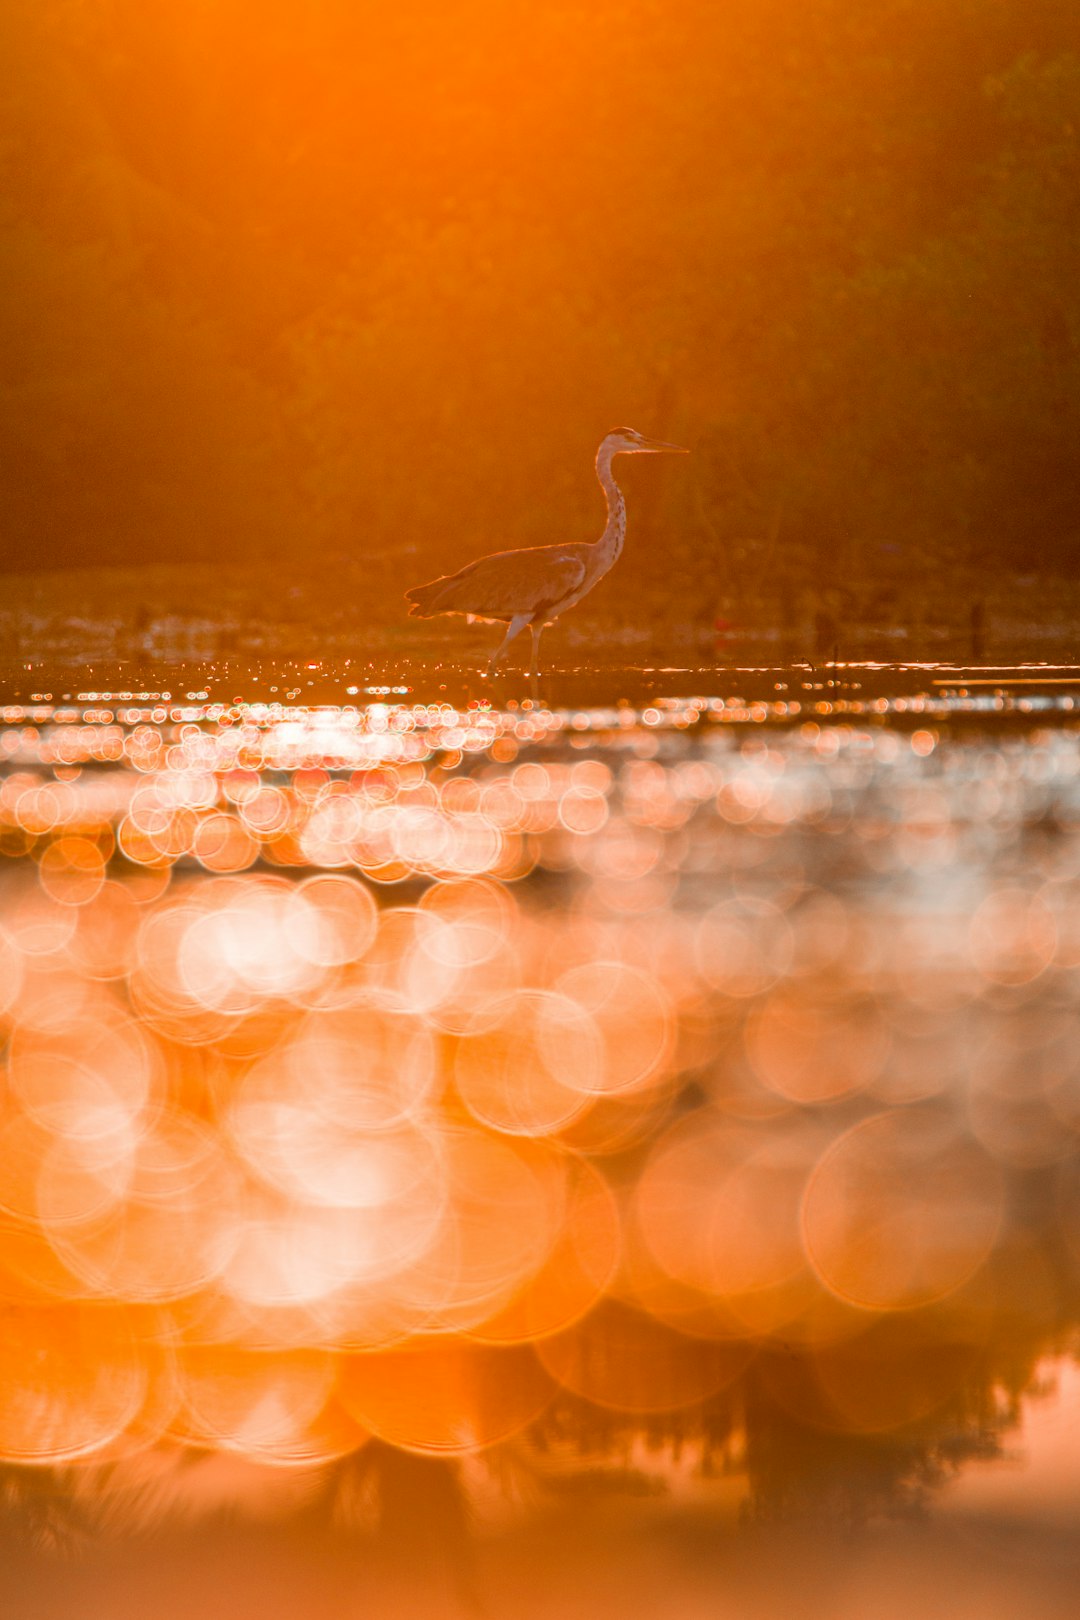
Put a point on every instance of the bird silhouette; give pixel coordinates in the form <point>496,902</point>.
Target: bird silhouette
<point>533,586</point>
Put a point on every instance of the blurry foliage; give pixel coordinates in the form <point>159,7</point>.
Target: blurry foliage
<point>286,285</point>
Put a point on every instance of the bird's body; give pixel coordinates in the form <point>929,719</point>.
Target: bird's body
<point>533,586</point>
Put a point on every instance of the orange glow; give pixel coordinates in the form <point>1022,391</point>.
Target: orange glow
<point>396,1147</point>
<point>437,1120</point>
<point>901,1211</point>
<point>275,1406</point>
<point>445,1397</point>
<point>73,1378</point>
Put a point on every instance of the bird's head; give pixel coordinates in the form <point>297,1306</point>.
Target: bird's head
<point>624,441</point>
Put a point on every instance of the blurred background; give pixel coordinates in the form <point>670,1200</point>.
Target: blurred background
<point>539,1160</point>
<point>324,299</point>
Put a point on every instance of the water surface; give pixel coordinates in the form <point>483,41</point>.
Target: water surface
<point>603,1154</point>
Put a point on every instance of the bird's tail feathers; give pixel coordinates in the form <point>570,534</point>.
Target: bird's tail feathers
<point>419,599</point>
<point>425,600</point>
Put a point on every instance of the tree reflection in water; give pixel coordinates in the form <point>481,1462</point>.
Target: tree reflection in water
<point>931,1402</point>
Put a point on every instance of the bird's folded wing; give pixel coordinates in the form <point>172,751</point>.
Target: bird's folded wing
<point>513,582</point>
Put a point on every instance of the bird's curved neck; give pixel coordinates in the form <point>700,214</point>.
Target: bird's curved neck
<point>610,542</point>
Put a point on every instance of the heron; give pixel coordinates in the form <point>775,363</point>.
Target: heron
<point>534,586</point>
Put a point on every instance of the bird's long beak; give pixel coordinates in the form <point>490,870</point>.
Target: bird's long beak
<point>656,445</point>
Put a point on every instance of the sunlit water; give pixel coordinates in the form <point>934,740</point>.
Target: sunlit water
<point>417,1118</point>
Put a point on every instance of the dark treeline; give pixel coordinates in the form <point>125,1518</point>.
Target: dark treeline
<point>285,283</point>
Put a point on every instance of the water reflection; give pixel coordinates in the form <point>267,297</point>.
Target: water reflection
<point>625,1100</point>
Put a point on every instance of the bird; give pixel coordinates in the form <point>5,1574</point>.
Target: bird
<point>533,586</point>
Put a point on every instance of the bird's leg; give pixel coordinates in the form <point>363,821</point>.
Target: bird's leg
<point>534,671</point>
<point>514,628</point>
